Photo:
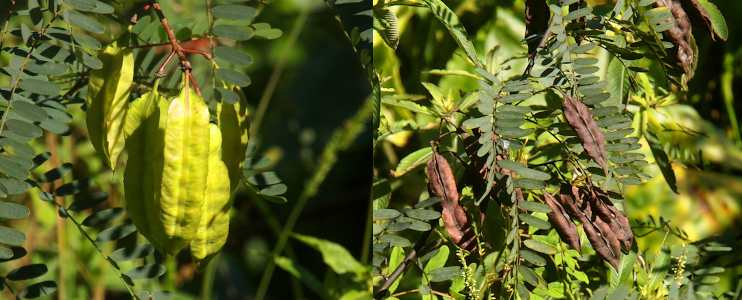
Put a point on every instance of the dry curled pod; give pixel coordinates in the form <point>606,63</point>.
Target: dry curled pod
<point>679,35</point>
<point>580,118</point>
<point>562,222</point>
<point>442,183</point>
<point>598,232</point>
<point>601,204</point>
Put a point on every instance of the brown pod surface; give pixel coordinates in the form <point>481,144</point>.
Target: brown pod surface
<point>580,118</point>
<point>603,240</point>
<point>619,224</point>
<point>442,183</point>
<point>680,35</point>
<point>562,222</point>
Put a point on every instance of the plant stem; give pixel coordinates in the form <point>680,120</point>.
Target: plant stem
<point>341,139</point>
<point>177,49</point>
<point>265,99</point>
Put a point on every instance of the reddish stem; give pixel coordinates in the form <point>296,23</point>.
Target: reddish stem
<point>177,49</point>
<point>159,72</point>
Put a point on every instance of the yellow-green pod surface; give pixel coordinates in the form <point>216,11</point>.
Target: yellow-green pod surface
<point>235,127</point>
<point>185,169</point>
<point>108,94</point>
<point>145,131</point>
<point>214,226</point>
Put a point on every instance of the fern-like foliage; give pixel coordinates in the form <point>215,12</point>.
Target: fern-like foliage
<point>532,153</point>
<point>51,47</point>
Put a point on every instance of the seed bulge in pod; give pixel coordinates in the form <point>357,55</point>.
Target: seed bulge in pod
<point>185,169</point>
<point>214,226</point>
<point>145,130</point>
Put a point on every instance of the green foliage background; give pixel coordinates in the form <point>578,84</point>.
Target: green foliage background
<point>701,132</point>
<point>314,128</point>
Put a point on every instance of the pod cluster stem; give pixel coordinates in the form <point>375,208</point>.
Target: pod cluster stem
<point>177,48</point>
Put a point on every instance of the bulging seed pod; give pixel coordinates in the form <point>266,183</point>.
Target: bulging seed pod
<point>185,170</point>
<point>214,226</point>
<point>145,130</point>
<point>235,129</point>
<point>108,94</point>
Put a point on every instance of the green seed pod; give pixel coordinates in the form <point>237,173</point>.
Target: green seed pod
<point>235,128</point>
<point>185,170</point>
<point>214,226</point>
<point>108,94</point>
<point>145,132</point>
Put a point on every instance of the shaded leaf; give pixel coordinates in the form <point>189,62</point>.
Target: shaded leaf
<point>534,221</point>
<point>413,160</point>
<point>132,252</point>
<point>39,289</point>
<point>104,216</point>
<point>89,201</point>
<point>10,236</point>
<point>29,110</point>
<point>56,173</point>
<point>233,56</point>
<point>444,273</point>
<point>662,160</point>
<point>233,12</point>
<point>73,187</point>
<point>146,272</point>
<point>334,255</point>
<point>27,272</point>
<point>116,232</point>
<point>233,77</point>
<point>234,32</point>
<point>9,210</point>
<point>40,87</point>
<point>534,206</point>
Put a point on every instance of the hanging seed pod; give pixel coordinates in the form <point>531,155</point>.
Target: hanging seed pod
<point>145,130</point>
<point>603,240</point>
<point>235,129</point>
<point>580,118</point>
<point>185,169</point>
<point>561,221</point>
<point>680,36</point>
<point>108,94</point>
<point>442,183</point>
<point>601,203</point>
<point>214,225</point>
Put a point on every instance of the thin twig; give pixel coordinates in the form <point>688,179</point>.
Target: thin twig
<point>177,48</point>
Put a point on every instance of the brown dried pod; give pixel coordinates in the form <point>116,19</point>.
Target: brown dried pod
<point>562,222</point>
<point>580,118</point>
<point>442,183</point>
<point>598,232</point>
<point>603,240</point>
<point>601,204</point>
<point>680,35</point>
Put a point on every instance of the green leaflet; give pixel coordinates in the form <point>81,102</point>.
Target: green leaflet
<point>108,94</point>
<point>214,226</point>
<point>454,26</point>
<point>235,130</point>
<point>185,169</point>
<point>144,130</point>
